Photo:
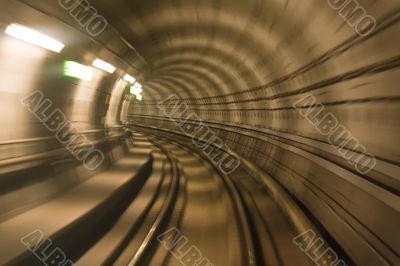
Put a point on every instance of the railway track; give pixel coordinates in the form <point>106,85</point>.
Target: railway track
<point>164,203</point>
<point>116,216</point>
<point>196,205</point>
<point>268,219</point>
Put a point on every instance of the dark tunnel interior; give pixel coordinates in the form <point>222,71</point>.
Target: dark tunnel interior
<point>200,133</point>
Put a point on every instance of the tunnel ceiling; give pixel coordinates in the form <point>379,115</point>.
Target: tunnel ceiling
<point>199,49</point>
<point>203,49</point>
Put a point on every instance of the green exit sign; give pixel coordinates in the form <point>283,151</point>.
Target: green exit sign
<point>76,70</point>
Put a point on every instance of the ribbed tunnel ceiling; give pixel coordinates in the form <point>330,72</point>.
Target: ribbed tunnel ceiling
<point>207,48</point>
<point>247,62</point>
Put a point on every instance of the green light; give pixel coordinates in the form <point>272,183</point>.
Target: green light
<point>137,91</point>
<point>76,70</point>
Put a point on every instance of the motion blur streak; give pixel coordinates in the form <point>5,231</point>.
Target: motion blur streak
<point>246,170</point>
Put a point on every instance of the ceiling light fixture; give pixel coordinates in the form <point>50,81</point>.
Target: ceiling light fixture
<point>100,64</point>
<point>34,37</point>
<point>129,79</point>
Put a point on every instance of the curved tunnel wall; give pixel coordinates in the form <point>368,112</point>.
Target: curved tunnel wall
<point>35,165</point>
<point>240,66</point>
<point>89,106</point>
<point>242,70</point>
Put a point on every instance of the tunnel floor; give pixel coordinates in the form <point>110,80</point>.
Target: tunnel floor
<point>161,204</point>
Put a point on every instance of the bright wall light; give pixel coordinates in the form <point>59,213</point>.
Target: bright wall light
<point>34,37</point>
<point>104,66</point>
<point>129,78</point>
<point>76,70</point>
<point>136,89</point>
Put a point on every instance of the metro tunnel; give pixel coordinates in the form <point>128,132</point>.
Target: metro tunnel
<point>187,132</point>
